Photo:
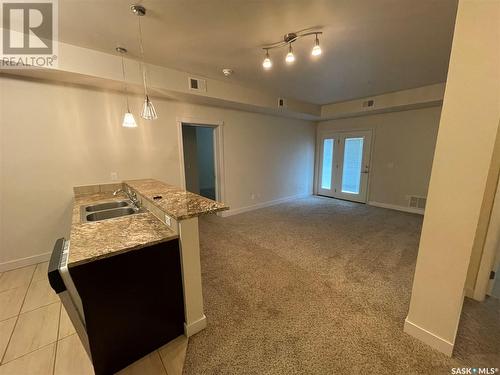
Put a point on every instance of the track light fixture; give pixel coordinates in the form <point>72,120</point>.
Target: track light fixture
<point>288,39</point>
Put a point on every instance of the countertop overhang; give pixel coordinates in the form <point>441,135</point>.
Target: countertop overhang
<point>175,202</point>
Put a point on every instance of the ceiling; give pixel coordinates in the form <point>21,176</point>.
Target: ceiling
<point>369,47</point>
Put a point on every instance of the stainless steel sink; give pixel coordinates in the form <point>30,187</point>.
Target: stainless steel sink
<point>107,206</point>
<point>108,210</point>
<point>110,214</point>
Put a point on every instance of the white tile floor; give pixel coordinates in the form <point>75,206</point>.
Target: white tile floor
<point>37,337</point>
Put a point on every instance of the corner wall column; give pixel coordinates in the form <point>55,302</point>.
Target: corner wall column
<point>460,175</point>
<point>191,276</point>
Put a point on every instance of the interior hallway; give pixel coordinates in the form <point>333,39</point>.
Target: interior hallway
<point>335,283</point>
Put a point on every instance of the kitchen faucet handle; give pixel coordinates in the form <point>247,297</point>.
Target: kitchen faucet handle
<point>117,191</point>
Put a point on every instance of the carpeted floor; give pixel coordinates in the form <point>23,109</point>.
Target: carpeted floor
<point>317,286</point>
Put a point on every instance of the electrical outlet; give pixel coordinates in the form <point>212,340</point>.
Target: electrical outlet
<point>114,176</point>
<point>168,220</point>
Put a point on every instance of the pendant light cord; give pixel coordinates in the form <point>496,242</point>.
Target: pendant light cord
<point>143,68</point>
<point>126,87</point>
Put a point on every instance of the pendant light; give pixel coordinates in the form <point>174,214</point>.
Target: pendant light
<point>267,63</point>
<point>148,110</point>
<point>128,118</point>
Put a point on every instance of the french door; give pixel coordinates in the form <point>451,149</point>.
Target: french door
<point>344,165</point>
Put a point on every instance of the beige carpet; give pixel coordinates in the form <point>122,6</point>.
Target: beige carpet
<point>316,286</point>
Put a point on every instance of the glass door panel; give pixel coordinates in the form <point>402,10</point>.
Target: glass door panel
<point>344,165</point>
<point>327,163</point>
<point>351,167</point>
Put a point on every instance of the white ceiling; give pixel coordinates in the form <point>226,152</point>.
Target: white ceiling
<point>369,46</point>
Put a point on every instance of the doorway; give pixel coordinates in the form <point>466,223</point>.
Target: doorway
<point>488,274</point>
<point>344,165</point>
<point>494,283</point>
<point>199,159</point>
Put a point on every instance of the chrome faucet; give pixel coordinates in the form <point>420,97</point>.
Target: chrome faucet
<point>132,196</point>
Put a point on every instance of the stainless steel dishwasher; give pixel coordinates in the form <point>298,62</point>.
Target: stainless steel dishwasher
<point>60,280</point>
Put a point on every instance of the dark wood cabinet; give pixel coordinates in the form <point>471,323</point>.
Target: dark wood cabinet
<point>133,303</point>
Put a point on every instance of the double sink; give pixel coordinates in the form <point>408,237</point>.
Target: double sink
<point>109,210</point>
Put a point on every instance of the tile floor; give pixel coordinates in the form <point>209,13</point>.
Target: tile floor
<point>37,337</point>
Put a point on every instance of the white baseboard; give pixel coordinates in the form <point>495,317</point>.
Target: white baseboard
<point>436,342</point>
<point>412,210</point>
<point>195,327</point>
<point>23,262</point>
<point>237,211</point>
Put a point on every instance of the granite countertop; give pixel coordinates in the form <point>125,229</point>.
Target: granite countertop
<point>175,202</point>
<point>91,241</point>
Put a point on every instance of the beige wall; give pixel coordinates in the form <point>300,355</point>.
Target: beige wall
<point>402,152</point>
<point>460,174</point>
<point>55,137</point>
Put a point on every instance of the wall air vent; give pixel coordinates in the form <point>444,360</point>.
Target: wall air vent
<point>281,103</point>
<point>368,103</point>
<point>197,84</point>
<point>417,202</point>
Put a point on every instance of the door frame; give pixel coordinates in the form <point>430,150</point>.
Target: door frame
<point>320,134</point>
<point>218,126</point>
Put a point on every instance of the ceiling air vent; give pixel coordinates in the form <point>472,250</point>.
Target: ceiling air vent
<point>197,84</point>
<point>368,103</point>
<point>281,103</point>
<point>417,202</point>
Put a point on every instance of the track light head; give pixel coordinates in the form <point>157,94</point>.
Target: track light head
<point>316,51</point>
<point>267,63</point>
<point>290,57</point>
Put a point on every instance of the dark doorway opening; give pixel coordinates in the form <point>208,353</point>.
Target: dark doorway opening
<point>199,159</point>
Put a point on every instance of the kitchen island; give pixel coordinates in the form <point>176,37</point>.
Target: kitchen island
<point>171,212</point>
<point>136,230</point>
